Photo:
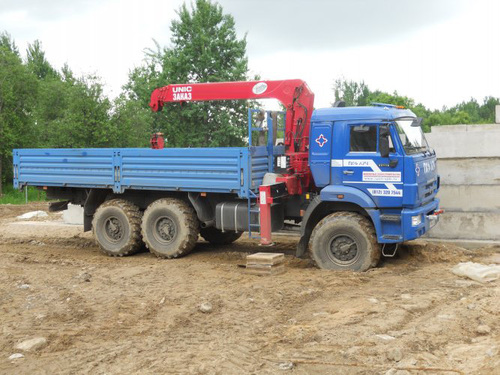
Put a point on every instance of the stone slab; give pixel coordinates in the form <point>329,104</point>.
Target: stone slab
<point>470,198</point>
<point>467,226</point>
<point>469,171</point>
<point>266,271</point>
<point>265,258</point>
<point>464,141</point>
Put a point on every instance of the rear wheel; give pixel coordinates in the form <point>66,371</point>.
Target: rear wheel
<point>344,241</point>
<point>217,237</point>
<point>170,228</point>
<point>117,227</point>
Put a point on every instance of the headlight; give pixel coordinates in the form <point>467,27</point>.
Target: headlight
<point>416,220</point>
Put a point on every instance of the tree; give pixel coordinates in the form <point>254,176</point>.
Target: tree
<point>37,63</point>
<point>204,48</point>
<point>470,112</point>
<point>40,107</point>
<point>358,94</point>
<point>132,121</point>
<point>351,92</point>
<point>17,85</point>
<point>69,111</point>
<point>86,119</point>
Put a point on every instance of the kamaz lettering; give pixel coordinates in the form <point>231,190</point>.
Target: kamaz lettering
<point>429,166</point>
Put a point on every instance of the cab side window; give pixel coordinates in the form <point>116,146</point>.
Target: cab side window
<point>363,138</point>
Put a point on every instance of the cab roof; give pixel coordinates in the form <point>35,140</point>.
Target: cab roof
<point>376,112</point>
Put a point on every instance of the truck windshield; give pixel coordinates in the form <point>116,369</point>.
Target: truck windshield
<point>412,137</point>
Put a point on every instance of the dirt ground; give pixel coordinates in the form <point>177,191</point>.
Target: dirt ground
<point>140,314</point>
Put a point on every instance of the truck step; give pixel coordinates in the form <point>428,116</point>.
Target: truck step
<point>391,218</point>
<point>392,237</point>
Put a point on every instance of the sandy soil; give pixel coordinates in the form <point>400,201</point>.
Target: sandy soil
<point>140,314</point>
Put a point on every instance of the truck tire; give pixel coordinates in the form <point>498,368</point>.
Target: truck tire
<point>170,228</point>
<point>217,237</point>
<point>344,241</point>
<point>117,227</point>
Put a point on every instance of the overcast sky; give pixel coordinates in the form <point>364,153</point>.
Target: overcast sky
<point>439,52</point>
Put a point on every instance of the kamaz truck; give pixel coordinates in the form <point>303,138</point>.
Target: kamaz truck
<point>354,182</point>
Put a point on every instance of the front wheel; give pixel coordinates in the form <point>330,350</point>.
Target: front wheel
<point>344,241</point>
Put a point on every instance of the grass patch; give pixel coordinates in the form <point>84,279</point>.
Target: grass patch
<point>12,196</point>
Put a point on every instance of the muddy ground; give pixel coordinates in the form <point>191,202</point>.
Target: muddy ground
<point>140,314</point>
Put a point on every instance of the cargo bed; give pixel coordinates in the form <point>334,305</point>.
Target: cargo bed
<point>237,170</point>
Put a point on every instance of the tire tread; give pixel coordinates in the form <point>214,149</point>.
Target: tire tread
<point>134,217</point>
<point>362,221</point>
<point>190,220</point>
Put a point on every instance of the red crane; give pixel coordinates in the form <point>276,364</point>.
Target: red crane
<point>294,94</point>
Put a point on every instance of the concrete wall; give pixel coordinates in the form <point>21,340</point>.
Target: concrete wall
<point>469,165</point>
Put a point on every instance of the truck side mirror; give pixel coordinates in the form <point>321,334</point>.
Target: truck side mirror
<point>383,145</point>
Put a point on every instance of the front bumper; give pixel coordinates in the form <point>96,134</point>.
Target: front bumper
<point>430,217</point>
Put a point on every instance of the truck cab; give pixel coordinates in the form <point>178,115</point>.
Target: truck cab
<point>376,161</point>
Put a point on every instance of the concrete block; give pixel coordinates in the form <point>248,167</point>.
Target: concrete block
<point>470,198</point>
<point>265,264</point>
<point>73,215</point>
<point>265,259</point>
<point>467,226</point>
<point>463,128</point>
<point>465,141</point>
<point>266,270</point>
<point>470,171</point>
<point>448,129</point>
<point>469,166</point>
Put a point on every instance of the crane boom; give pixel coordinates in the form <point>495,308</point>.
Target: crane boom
<point>294,94</point>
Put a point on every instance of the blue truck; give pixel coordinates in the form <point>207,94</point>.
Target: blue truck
<point>353,181</point>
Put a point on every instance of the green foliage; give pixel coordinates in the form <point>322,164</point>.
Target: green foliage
<point>86,119</point>
<point>73,112</point>
<point>133,123</point>
<point>352,93</point>
<point>41,107</point>
<point>12,196</point>
<point>37,63</point>
<point>17,86</point>
<point>471,112</point>
<point>204,48</point>
<point>358,94</point>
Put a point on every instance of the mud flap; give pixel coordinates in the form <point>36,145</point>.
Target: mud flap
<point>94,199</point>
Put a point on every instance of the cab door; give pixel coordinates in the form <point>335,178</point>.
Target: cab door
<point>365,167</point>
<point>320,146</point>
